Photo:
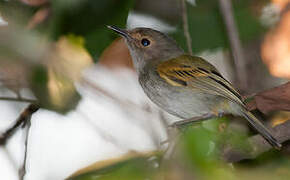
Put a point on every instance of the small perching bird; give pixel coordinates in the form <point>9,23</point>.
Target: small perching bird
<point>183,85</point>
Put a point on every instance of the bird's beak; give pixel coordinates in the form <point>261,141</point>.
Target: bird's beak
<point>120,31</point>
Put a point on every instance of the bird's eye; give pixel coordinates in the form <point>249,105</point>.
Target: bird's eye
<point>145,42</point>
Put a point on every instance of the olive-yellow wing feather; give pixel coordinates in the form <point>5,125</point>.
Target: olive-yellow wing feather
<point>195,72</point>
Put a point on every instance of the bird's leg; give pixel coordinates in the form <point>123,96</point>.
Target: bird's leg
<point>182,123</point>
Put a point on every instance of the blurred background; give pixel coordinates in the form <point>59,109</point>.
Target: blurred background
<point>71,106</point>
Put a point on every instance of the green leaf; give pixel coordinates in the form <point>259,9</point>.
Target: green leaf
<point>139,167</point>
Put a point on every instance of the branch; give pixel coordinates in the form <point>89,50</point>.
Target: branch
<point>24,117</point>
<point>25,100</point>
<point>274,99</point>
<point>185,26</point>
<point>22,170</point>
<point>236,47</point>
<point>258,144</point>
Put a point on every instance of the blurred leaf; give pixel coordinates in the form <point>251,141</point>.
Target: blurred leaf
<point>69,56</point>
<point>54,91</point>
<point>207,28</point>
<point>200,149</point>
<point>131,166</point>
<point>64,63</point>
<point>48,69</point>
<point>15,12</point>
<point>20,51</point>
<point>89,19</point>
<point>197,142</point>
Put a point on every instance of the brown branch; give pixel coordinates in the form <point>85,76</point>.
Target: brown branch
<point>185,26</point>
<point>22,170</point>
<point>22,119</point>
<point>258,145</point>
<point>236,47</point>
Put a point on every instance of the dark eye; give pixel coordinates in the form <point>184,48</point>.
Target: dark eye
<point>145,42</point>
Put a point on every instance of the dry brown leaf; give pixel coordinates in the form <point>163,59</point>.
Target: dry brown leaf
<point>116,55</point>
<point>275,99</point>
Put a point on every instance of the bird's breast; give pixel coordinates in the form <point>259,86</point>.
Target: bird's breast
<point>180,101</point>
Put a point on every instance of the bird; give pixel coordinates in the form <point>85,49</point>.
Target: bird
<point>184,85</point>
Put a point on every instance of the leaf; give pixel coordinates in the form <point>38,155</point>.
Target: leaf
<point>48,69</point>
<point>64,64</point>
<point>275,99</point>
<point>130,166</point>
<point>89,19</point>
<point>15,12</point>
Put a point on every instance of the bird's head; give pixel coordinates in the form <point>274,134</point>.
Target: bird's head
<point>147,45</point>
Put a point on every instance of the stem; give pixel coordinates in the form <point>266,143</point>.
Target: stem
<point>24,116</point>
<point>22,170</point>
<point>185,26</point>
<point>25,100</point>
<point>235,43</point>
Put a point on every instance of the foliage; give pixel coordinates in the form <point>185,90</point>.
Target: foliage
<point>207,28</point>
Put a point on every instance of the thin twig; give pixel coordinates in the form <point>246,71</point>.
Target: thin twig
<point>235,43</point>
<point>24,116</point>
<point>22,170</point>
<point>25,100</point>
<point>185,26</point>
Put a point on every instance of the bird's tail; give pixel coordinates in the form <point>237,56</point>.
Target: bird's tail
<point>260,127</point>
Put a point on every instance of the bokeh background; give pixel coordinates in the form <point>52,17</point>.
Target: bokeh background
<point>94,120</point>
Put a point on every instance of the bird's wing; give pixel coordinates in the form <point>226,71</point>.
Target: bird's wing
<point>195,72</point>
